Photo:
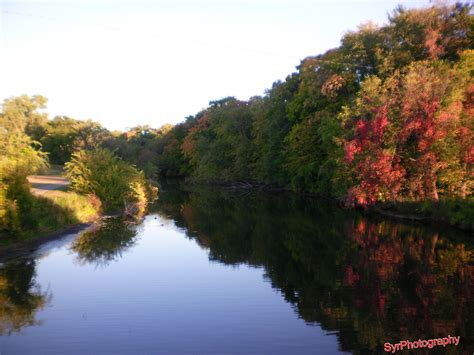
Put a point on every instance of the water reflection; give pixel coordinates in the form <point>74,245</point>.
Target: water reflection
<point>20,296</point>
<point>105,242</point>
<point>367,280</point>
<point>371,281</point>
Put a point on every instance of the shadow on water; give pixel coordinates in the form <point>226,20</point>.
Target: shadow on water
<point>106,242</point>
<point>20,296</point>
<point>369,280</point>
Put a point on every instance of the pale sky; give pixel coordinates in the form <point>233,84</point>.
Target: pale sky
<point>124,63</point>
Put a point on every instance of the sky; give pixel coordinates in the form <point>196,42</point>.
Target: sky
<point>128,63</point>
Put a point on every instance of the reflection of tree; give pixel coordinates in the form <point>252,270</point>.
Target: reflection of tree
<point>371,281</point>
<point>403,282</point>
<point>20,297</point>
<point>106,242</point>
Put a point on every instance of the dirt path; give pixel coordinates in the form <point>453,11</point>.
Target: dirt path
<point>42,183</point>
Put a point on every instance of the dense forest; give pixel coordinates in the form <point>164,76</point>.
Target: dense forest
<point>386,117</point>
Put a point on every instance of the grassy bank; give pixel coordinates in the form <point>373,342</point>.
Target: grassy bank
<point>50,212</point>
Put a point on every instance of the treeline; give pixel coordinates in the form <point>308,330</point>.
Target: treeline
<point>386,116</point>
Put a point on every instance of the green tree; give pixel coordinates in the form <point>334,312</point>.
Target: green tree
<point>219,144</point>
<point>23,114</point>
<point>60,139</point>
<point>269,127</point>
<point>19,156</point>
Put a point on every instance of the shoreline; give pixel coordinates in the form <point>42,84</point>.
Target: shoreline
<point>392,212</point>
<point>22,247</point>
<point>402,211</point>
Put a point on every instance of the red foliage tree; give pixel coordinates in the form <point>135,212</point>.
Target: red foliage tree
<point>377,169</point>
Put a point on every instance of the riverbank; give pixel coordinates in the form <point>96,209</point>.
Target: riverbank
<point>64,212</point>
<point>456,212</point>
<point>21,247</point>
<point>47,212</point>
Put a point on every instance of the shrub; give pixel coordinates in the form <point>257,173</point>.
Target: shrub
<point>115,182</point>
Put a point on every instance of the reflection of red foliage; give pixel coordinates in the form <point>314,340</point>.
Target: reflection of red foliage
<point>350,277</point>
<point>386,267</point>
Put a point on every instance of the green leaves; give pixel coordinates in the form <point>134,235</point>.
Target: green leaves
<point>100,172</point>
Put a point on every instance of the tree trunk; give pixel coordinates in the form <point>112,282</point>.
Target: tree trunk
<point>464,189</point>
<point>435,190</point>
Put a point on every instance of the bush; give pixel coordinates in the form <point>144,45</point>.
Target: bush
<point>115,182</point>
<point>19,203</point>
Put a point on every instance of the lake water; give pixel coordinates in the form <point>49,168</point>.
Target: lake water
<point>212,271</point>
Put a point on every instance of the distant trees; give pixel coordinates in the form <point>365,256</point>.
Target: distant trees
<point>270,126</point>
<point>64,135</point>
<point>140,145</point>
<point>219,145</point>
<point>23,114</point>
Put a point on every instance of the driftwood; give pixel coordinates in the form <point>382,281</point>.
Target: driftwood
<point>410,217</point>
<point>248,185</point>
<point>132,212</point>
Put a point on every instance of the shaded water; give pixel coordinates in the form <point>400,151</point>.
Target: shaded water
<point>212,271</point>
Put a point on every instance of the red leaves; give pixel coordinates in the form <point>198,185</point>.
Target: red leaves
<point>379,123</point>
<point>351,148</point>
<point>377,171</point>
<point>413,138</point>
<point>380,177</point>
<point>419,121</point>
<point>432,43</point>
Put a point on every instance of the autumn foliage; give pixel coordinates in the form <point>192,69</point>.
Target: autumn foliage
<point>385,117</point>
<point>414,137</point>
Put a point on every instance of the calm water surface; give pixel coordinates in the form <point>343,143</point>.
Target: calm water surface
<point>211,271</point>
